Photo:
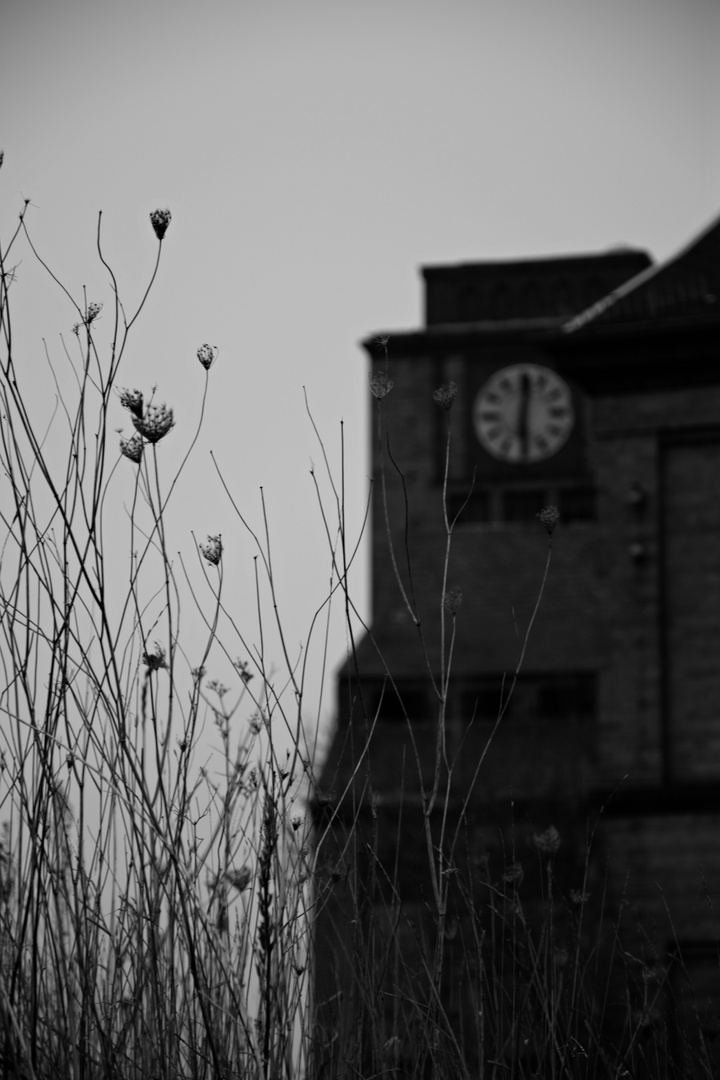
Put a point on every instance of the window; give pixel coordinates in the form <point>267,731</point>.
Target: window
<point>392,704</point>
<point>576,504</point>
<point>556,696</point>
<point>472,509</point>
<point>520,505</point>
<point>402,748</point>
<point>565,696</point>
<point>483,701</point>
<point>545,741</point>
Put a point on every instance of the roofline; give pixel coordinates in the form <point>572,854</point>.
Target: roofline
<point>619,253</point>
<point>435,334</point>
<point>583,318</point>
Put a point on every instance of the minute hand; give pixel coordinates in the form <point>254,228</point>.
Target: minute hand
<point>523,412</point>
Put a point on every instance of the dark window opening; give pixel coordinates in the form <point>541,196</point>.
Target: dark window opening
<point>577,504</point>
<point>484,701</point>
<point>542,697</point>
<point>395,704</point>
<point>472,509</point>
<point>518,505</point>
<point>522,504</point>
<point>565,696</point>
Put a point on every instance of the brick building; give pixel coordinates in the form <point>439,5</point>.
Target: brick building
<point>591,384</point>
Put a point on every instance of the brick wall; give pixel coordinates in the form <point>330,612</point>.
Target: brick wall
<point>657,463</point>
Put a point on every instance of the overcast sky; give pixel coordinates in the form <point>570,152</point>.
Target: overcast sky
<point>314,155</point>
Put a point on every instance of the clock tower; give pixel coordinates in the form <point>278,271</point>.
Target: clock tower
<point>518,441</point>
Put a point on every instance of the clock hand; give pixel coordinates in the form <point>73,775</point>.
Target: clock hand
<point>524,408</point>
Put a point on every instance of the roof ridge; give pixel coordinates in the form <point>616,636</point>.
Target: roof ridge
<point>595,310</point>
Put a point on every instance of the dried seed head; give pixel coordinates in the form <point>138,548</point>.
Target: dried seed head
<point>445,395</point>
<point>131,400</point>
<point>132,448</point>
<point>338,871</point>
<point>92,313</point>
<point>380,385</point>
<point>218,688</point>
<point>547,842</point>
<point>153,661</point>
<point>548,518</point>
<point>578,896</point>
<point>514,874</point>
<point>212,550</point>
<point>452,600</point>
<point>156,422</point>
<point>483,864</point>
<point>160,219</point>
<point>239,879</point>
<point>243,669</point>
<point>207,354</point>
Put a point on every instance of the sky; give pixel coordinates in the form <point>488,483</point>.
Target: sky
<point>314,156</point>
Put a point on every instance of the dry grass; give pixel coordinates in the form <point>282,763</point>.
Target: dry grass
<point>161,917</point>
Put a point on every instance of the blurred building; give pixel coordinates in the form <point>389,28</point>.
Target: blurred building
<point>590,384</point>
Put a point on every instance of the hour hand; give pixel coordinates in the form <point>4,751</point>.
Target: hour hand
<point>523,410</point>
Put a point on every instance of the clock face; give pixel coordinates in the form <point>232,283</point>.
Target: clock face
<point>524,413</point>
